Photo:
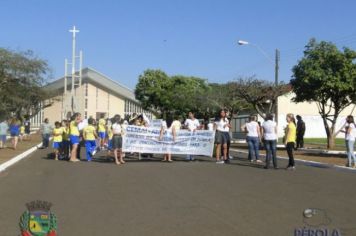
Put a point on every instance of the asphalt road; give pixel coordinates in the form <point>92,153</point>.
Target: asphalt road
<point>180,198</point>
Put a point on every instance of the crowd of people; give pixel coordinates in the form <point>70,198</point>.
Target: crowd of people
<point>19,130</point>
<point>106,134</point>
<point>267,134</point>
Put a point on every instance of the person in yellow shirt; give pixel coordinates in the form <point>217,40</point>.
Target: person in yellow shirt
<point>22,132</point>
<point>74,136</point>
<point>57,139</point>
<point>102,130</point>
<point>90,135</point>
<point>110,135</point>
<point>289,140</point>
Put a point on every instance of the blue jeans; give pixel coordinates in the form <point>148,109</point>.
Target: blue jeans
<point>253,147</point>
<point>350,152</point>
<point>45,140</point>
<point>271,149</point>
<point>90,146</point>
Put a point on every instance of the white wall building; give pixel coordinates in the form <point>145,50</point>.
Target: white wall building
<point>307,110</point>
<point>310,114</point>
<point>97,95</point>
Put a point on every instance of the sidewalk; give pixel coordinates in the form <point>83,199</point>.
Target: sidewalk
<point>331,157</point>
<point>8,153</point>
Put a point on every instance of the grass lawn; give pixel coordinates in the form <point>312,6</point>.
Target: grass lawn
<point>8,153</point>
<point>320,141</point>
<point>338,141</point>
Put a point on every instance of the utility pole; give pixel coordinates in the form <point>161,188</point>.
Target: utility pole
<point>276,81</point>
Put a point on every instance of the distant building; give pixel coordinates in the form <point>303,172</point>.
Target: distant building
<point>307,110</point>
<point>97,95</point>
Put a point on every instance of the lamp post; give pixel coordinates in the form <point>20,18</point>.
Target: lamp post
<point>276,67</point>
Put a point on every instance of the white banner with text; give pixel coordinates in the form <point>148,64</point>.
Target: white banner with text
<point>147,140</point>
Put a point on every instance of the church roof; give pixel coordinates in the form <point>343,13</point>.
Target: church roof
<point>98,79</point>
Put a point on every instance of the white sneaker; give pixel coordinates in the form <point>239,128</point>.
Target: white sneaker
<point>220,162</point>
<point>93,152</point>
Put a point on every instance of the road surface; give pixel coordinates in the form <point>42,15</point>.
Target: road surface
<point>180,198</point>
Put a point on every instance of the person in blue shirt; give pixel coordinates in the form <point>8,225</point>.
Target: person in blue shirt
<point>14,132</point>
<point>4,127</point>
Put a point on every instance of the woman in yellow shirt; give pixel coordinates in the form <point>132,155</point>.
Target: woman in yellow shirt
<point>74,136</point>
<point>290,138</point>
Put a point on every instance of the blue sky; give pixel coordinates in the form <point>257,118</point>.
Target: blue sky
<point>123,38</point>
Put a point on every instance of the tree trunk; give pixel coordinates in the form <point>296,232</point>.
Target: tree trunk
<point>260,111</point>
<point>331,142</point>
<point>330,133</point>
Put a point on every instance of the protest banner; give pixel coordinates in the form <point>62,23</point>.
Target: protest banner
<point>146,140</point>
<point>156,123</point>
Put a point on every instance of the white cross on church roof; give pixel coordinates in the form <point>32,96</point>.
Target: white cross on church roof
<point>74,31</point>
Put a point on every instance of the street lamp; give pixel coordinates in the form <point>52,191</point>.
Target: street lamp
<point>276,66</point>
<point>241,42</point>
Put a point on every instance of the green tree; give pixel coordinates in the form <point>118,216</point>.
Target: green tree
<point>167,96</point>
<point>260,94</point>
<point>152,90</point>
<point>326,75</point>
<point>186,94</point>
<point>22,76</point>
<point>221,96</point>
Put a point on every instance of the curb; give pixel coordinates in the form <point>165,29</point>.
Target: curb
<point>307,163</point>
<point>322,151</point>
<point>308,150</point>
<point>18,158</point>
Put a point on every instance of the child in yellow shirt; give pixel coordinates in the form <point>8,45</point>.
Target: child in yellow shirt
<point>90,135</point>
<point>22,132</point>
<point>57,139</point>
<point>102,131</point>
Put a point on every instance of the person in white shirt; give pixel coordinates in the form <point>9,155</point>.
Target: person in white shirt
<point>222,126</point>
<point>253,139</point>
<point>192,125</point>
<point>211,126</point>
<point>269,133</point>
<point>117,131</point>
<point>228,141</point>
<point>350,136</point>
<point>174,127</point>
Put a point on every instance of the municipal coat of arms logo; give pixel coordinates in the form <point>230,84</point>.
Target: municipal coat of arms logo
<point>38,220</point>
